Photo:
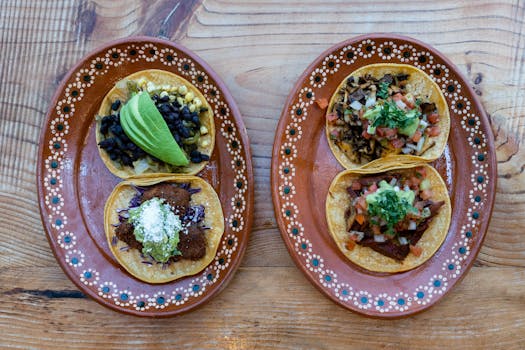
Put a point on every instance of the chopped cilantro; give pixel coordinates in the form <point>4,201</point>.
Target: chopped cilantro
<point>390,206</point>
<point>383,90</point>
<point>392,116</point>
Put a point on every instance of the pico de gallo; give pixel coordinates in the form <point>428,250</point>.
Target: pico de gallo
<point>389,213</point>
<point>372,118</point>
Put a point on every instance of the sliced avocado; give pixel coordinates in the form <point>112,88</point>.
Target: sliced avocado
<point>410,128</point>
<point>144,125</point>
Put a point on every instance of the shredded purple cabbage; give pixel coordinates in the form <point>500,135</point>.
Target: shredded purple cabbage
<point>147,262</point>
<point>124,249</point>
<point>193,190</point>
<point>195,213</point>
<point>185,186</point>
<point>114,240</point>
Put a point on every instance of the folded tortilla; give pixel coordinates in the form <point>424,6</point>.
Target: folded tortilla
<point>159,78</point>
<point>338,201</point>
<point>131,259</point>
<point>420,85</point>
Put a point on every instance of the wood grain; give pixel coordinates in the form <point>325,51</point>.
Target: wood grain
<point>259,48</point>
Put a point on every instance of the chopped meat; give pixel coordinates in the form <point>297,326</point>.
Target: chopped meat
<point>434,208</point>
<point>124,232</point>
<point>388,248</point>
<point>192,244</point>
<point>387,78</point>
<point>174,196</point>
<point>401,77</point>
<point>427,108</point>
<point>357,95</point>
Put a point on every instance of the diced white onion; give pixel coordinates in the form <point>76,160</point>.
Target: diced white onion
<point>423,124</point>
<point>396,188</point>
<point>382,222</point>
<point>401,104</point>
<point>406,188</point>
<point>420,144</point>
<point>370,101</point>
<point>412,146</point>
<point>412,225</point>
<point>379,238</point>
<point>403,240</point>
<point>140,166</point>
<point>356,105</point>
<point>393,181</point>
<point>406,150</point>
<point>359,235</point>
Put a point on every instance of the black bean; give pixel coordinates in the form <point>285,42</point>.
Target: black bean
<point>205,157</point>
<point>131,146</point>
<point>164,108</point>
<point>195,153</point>
<point>187,117</point>
<point>107,143</point>
<point>175,104</point>
<point>197,159</point>
<point>195,119</point>
<point>116,129</point>
<point>164,98</point>
<point>177,138</point>
<point>155,97</point>
<point>113,156</point>
<point>115,105</point>
<point>185,133</point>
<point>126,160</point>
<point>185,110</point>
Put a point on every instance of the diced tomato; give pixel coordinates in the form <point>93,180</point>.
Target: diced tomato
<point>416,250</point>
<point>426,194</point>
<point>397,97</point>
<point>380,131</point>
<point>334,134</point>
<point>433,118</point>
<point>397,143</point>
<point>433,131</point>
<point>353,237</point>
<point>350,245</point>
<point>376,229</point>
<point>360,218</point>
<point>417,136</point>
<point>366,135</point>
<point>356,186</point>
<point>372,188</point>
<point>361,203</point>
<point>409,104</point>
<point>415,181</point>
<point>421,172</point>
<point>390,133</point>
<point>322,102</point>
<point>331,117</point>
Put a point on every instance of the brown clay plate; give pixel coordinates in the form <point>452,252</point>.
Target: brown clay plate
<point>73,183</point>
<point>303,168</point>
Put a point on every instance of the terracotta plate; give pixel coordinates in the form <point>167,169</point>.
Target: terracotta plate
<point>303,168</point>
<point>73,183</point>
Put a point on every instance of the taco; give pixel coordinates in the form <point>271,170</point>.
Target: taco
<point>384,110</point>
<point>390,221</point>
<point>153,122</point>
<point>161,229</point>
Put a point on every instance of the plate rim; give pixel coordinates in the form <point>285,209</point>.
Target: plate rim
<point>243,135</point>
<point>281,127</point>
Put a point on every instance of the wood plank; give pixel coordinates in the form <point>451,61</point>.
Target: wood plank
<point>266,307</point>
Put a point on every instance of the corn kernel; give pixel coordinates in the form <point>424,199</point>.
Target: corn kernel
<point>203,130</point>
<point>192,108</point>
<point>180,101</point>
<point>189,96</point>
<point>197,101</point>
<point>205,143</point>
<point>183,90</point>
<point>163,94</point>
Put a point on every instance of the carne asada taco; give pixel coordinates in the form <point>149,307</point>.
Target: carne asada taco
<point>161,229</point>
<point>384,110</point>
<point>389,221</point>
<point>154,122</point>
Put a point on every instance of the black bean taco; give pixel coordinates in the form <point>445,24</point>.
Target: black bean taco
<point>161,229</point>
<point>385,110</point>
<point>153,122</point>
<point>389,221</point>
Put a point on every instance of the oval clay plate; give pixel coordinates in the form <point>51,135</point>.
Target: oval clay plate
<point>73,183</point>
<point>303,168</point>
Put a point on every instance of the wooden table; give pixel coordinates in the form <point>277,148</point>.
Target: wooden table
<point>259,49</point>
